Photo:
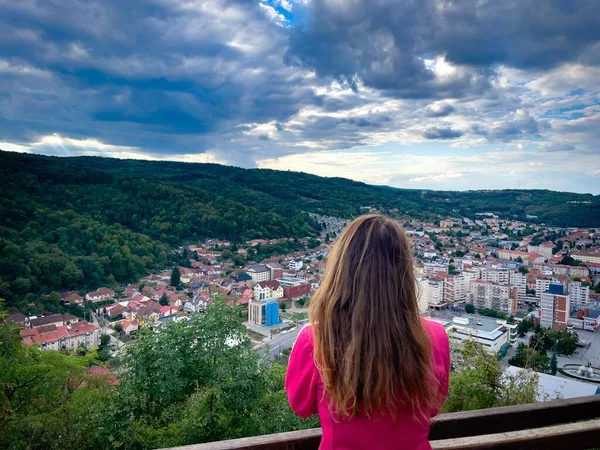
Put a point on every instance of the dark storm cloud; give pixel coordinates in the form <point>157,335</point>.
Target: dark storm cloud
<point>385,42</point>
<point>442,133</point>
<point>144,75</point>
<point>175,76</point>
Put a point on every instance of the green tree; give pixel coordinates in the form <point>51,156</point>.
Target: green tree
<point>175,277</point>
<point>479,381</point>
<point>164,300</point>
<point>469,308</point>
<point>104,340</point>
<point>553,364</point>
<point>524,326</point>
<point>566,342</point>
<point>34,385</point>
<point>118,327</point>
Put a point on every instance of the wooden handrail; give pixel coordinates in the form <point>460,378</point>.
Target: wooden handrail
<point>546,425</point>
<point>512,418</point>
<point>574,436</point>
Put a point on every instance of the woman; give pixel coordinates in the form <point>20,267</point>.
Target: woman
<point>373,370</point>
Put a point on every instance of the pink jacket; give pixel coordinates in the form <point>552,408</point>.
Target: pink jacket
<point>305,393</point>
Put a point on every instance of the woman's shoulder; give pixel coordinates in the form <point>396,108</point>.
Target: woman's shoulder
<point>437,332</point>
<point>306,335</point>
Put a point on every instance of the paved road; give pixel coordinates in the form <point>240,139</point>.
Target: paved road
<point>279,343</point>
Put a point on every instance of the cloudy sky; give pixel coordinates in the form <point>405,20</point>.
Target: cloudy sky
<point>437,94</point>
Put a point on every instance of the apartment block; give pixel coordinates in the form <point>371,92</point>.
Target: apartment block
<point>485,294</point>
<point>518,280</point>
<point>579,295</point>
<point>555,306</point>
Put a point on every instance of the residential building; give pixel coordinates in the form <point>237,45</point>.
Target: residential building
<point>544,249</point>
<point>268,289</point>
<point>579,295</point>
<point>485,294</point>
<point>594,268</point>
<point>562,269</point>
<point>518,280</point>
<point>491,333</point>
<point>18,319</point>
<point>434,293</point>
<point>294,287</point>
<point>432,268</point>
<point>593,257</point>
<point>455,289</point>
<point>101,294</point>
<point>528,259</point>
<point>129,326</point>
<point>243,280</point>
<point>54,319</point>
<point>555,307</point>
<point>276,270</point>
<point>197,304</point>
<point>295,264</point>
<point>259,273</point>
<point>57,337</point>
<point>264,312</point>
<point>147,316</point>
<point>498,276</point>
<point>542,285</point>
<point>421,297</point>
<point>71,298</point>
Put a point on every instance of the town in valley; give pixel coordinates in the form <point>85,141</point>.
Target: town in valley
<point>482,278</point>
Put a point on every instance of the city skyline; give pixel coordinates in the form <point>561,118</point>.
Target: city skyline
<point>414,94</point>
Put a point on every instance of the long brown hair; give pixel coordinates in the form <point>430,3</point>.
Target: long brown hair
<point>371,347</point>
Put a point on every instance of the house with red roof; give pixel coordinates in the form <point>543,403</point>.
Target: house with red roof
<point>129,326</point>
<point>53,337</point>
<point>101,294</point>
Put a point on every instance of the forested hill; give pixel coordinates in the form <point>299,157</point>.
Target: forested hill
<point>73,223</point>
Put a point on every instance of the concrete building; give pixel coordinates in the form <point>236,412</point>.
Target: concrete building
<point>455,289</point>
<point>53,337</point>
<point>259,273</point>
<point>485,294</point>
<point>264,312</point>
<point>544,249</point>
<point>571,271</point>
<point>542,285</point>
<point>498,276</point>
<point>295,264</point>
<point>586,319</point>
<point>592,257</point>
<point>579,295</point>
<point>518,280</point>
<point>555,307</point>
<point>491,333</point>
<point>421,297</point>
<point>294,287</point>
<point>276,270</point>
<point>432,268</point>
<point>434,293</point>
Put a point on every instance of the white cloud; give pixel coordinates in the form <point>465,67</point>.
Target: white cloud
<point>438,177</point>
<point>273,15</point>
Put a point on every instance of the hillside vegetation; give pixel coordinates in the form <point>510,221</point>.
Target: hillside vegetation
<point>77,223</point>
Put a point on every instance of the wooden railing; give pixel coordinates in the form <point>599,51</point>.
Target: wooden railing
<point>572,424</point>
